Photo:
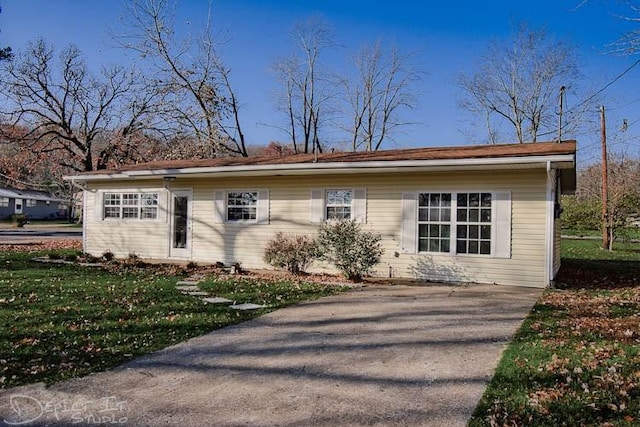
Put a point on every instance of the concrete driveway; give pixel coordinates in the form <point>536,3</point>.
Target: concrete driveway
<point>392,355</point>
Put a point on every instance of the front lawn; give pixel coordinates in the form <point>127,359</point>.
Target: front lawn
<point>576,358</point>
<point>59,321</point>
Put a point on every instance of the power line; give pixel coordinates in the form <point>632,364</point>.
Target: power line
<point>605,87</point>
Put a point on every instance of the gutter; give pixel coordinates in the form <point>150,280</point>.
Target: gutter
<point>560,161</point>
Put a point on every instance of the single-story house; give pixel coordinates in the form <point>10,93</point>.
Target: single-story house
<point>32,203</point>
<point>486,214</point>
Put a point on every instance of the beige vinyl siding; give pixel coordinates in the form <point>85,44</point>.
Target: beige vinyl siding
<point>556,247</point>
<point>145,238</point>
<point>290,207</point>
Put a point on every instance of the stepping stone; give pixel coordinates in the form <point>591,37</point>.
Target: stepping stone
<point>196,278</point>
<point>247,306</point>
<point>217,300</point>
<point>197,293</point>
<point>188,282</point>
<point>188,288</point>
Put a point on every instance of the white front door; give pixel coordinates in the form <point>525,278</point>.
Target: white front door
<point>18,206</point>
<point>180,240</point>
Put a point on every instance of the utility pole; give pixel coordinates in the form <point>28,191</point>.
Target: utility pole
<point>562,89</point>
<point>606,243</point>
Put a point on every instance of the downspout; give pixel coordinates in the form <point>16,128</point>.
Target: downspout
<point>550,229</point>
<point>84,213</point>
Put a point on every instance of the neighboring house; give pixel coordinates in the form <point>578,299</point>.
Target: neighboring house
<point>34,204</point>
<point>465,214</point>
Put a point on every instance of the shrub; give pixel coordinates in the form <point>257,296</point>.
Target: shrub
<point>352,250</point>
<point>91,259</point>
<point>236,268</point>
<point>71,257</point>
<point>108,256</point>
<point>134,260</point>
<point>295,253</point>
<point>19,220</point>
<point>581,214</point>
<point>55,255</point>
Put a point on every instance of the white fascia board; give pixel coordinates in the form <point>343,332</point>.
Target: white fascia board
<point>561,161</point>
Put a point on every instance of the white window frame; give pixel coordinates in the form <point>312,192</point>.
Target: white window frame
<point>4,202</point>
<point>479,223</point>
<point>328,205</point>
<point>221,208</point>
<point>429,222</point>
<point>253,207</point>
<point>454,223</point>
<point>318,199</point>
<point>30,203</point>
<point>134,205</point>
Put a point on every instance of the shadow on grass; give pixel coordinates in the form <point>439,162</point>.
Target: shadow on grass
<point>598,274</point>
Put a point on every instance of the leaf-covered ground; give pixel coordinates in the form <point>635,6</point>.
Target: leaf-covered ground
<point>62,321</point>
<point>576,358</point>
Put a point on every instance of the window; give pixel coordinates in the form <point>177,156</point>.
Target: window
<point>242,205</point>
<point>338,204</point>
<point>473,230</point>
<point>434,222</point>
<point>148,205</point>
<point>131,205</point>
<point>31,203</point>
<point>4,202</point>
<point>472,222</point>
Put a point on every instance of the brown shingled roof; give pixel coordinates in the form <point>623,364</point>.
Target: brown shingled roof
<point>429,153</point>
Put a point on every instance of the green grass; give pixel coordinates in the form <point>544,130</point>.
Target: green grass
<point>591,250</point>
<point>575,360</point>
<point>622,234</point>
<point>58,322</point>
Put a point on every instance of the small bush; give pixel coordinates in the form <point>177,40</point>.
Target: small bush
<point>236,268</point>
<point>91,259</point>
<point>71,257</point>
<point>108,256</point>
<point>580,214</point>
<point>295,253</point>
<point>19,220</point>
<point>134,260</point>
<point>353,251</point>
<point>55,255</point>
<point>192,265</point>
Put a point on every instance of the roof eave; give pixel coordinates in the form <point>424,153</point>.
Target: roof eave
<point>558,161</point>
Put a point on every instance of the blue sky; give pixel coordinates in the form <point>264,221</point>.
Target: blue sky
<point>448,38</point>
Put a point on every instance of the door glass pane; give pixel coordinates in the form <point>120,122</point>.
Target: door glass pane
<point>180,204</point>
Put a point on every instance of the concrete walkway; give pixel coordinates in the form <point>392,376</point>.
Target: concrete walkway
<point>394,355</point>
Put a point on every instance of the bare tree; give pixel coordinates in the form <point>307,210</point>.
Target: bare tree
<point>198,96</point>
<point>65,111</point>
<point>518,84</point>
<point>624,190</point>
<point>377,95</point>
<point>5,52</point>
<point>305,91</point>
<point>629,42</point>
